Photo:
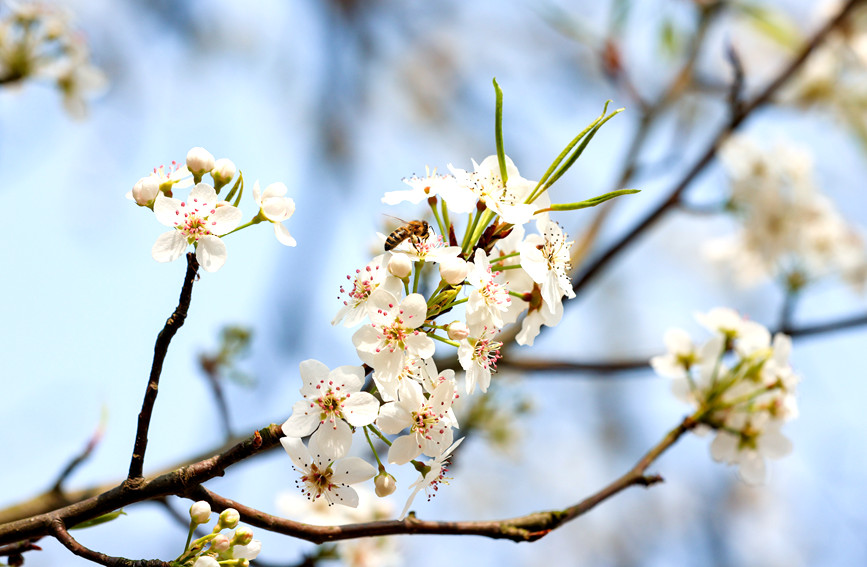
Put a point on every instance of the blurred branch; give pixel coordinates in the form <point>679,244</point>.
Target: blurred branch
<point>79,459</point>
<point>173,323</point>
<point>737,119</point>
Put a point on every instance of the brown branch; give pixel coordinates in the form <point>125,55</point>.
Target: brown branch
<point>590,272</point>
<point>177,483</point>
<point>58,530</point>
<point>79,459</point>
<point>530,527</point>
<point>19,547</point>
<point>161,348</point>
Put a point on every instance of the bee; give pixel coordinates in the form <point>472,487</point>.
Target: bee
<point>415,231</point>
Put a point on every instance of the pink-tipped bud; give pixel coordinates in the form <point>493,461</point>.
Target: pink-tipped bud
<point>458,330</point>
<point>221,543</point>
<point>200,512</point>
<point>145,190</point>
<point>454,270</point>
<point>229,518</point>
<point>384,484</point>
<point>399,265</point>
<point>199,161</point>
<point>243,536</point>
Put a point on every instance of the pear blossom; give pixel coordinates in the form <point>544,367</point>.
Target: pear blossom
<point>488,300</point>
<point>322,475</point>
<point>393,332</point>
<point>200,220</point>
<point>165,178</point>
<point>507,201</point>
<point>432,478</point>
<point>478,357</point>
<point>275,208</point>
<point>454,271</point>
<point>199,161</point>
<point>421,188</point>
<point>399,265</point>
<point>547,260</point>
<point>333,401</point>
<point>430,427</point>
<point>682,354</point>
<point>747,441</point>
<point>366,280</point>
<point>224,171</point>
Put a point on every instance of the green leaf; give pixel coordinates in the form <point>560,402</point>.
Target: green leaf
<point>589,202</point>
<point>498,133</point>
<point>99,520</point>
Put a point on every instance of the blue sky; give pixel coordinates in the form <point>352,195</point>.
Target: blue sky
<point>84,300</point>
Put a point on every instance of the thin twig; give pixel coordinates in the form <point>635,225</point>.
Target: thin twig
<point>161,347</point>
<point>80,458</point>
<point>58,530</point>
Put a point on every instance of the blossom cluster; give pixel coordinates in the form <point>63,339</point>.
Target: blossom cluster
<point>217,548</point>
<point>203,219</point>
<point>37,41</point>
<point>790,230</point>
<point>511,261</point>
<point>742,385</point>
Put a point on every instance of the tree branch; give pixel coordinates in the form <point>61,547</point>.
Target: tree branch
<point>58,530</point>
<point>161,348</point>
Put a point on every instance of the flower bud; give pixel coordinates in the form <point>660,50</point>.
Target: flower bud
<point>221,543</point>
<point>223,172</point>
<point>229,518</point>
<point>399,265</point>
<point>206,561</point>
<point>458,330</point>
<point>454,270</point>
<point>243,536</point>
<point>199,162</point>
<point>145,190</point>
<point>200,512</point>
<point>384,484</point>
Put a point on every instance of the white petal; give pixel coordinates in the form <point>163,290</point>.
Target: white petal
<point>351,470</point>
<point>283,236</point>
<point>344,495</point>
<point>348,378</point>
<point>211,253</point>
<point>403,450</point>
<point>166,209</point>
<point>169,246</point>
<point>414,308</point>
<point>360,409</point>
<point>330,441</point>
<point>303,421</point>
<point>421,345</point>
<point>393,418</point>
<point>297,451</point>
<point>313,373</point>
<point>225,219</point>
<point>203,195</point>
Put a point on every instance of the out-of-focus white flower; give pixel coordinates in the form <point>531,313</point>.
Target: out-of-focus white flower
<point>275,208</point>
<point>745,402</point>
<point>333,401</point>
<point>200,220</point>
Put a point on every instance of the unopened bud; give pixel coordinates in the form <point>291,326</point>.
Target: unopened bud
<point>399,265</point>
<point>221,543</point>
<point>458,330</point>
<point>384,484</point>
<point>145,190</point>
<point>229,518</point>
<point>223,172</point>
<point>200,512</point>
<point>454,270</point>
<point>199,162</point>
<point>243,536</point>
<point>206,561</point>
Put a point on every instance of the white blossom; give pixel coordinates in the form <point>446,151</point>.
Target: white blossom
<point>322,475</point>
